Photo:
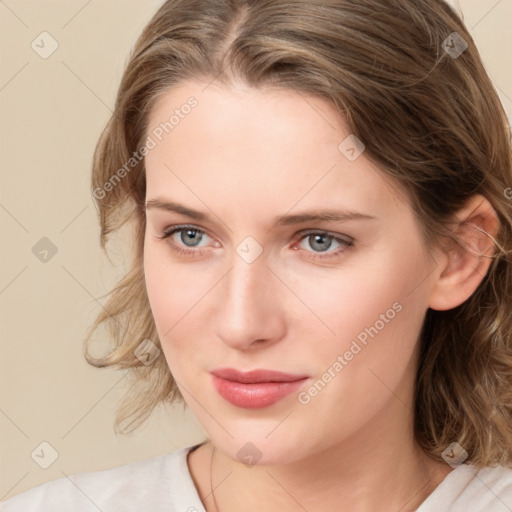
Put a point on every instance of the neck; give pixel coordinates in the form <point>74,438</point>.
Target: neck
<point>372,470</point>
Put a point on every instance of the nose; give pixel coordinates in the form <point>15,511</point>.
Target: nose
<point>250,310</point>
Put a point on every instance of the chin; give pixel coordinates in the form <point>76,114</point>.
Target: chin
<point>261,449</point>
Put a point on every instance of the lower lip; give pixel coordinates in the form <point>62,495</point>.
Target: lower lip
<point>257,395</point>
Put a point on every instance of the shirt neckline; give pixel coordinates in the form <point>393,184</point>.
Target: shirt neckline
<point>185,495</point>
<point>445,484</point>
<point>183,492</point>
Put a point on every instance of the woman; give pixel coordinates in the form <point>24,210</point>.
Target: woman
<point>322,268</point>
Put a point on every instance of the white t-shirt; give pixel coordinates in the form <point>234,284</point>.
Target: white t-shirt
<point>164,484</point>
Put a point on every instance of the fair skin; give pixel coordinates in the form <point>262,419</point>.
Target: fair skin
<point>242,157</point>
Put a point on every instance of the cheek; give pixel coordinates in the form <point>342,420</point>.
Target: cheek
<point>176,293</point>
<point>157,279</point>
<point>166,286</point>
<point>372,312</point>
<point>348,300</point>
<point>169,284</point>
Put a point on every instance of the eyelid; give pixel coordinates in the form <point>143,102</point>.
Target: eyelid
<point>345,241</point>
<point>171,230</point>
<point>178,227</point>
<point>335,236</point>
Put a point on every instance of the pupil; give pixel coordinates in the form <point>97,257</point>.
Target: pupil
<point>193,234</point>
<point>318,240</point>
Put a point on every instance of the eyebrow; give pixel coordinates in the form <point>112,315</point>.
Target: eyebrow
<point>280,220</point>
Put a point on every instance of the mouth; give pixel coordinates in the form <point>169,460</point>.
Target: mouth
<point>255,389</point>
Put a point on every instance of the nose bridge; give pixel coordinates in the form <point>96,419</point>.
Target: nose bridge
<point>246,285</point>
<point>247,309</point>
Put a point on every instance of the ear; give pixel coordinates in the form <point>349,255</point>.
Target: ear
<point>464,265</point>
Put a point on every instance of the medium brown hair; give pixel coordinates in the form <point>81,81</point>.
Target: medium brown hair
<point>429,118</point>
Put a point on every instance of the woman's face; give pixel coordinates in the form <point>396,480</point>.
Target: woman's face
<point>257,280</point>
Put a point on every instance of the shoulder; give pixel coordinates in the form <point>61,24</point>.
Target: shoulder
<point>468,488</point>
<point>490,488</point>
<point>142,485</point>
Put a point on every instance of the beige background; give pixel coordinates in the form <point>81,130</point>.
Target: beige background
<point>52,112</point>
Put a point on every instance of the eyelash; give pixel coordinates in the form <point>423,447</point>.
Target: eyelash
<point>312,255</point>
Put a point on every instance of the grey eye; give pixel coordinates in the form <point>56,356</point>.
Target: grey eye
<point>190,235</point>
<point>321,242</point>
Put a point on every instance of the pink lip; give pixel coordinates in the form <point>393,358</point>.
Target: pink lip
<point>255,389</point>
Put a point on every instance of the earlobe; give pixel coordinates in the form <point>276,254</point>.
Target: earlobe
<point>463,266</point>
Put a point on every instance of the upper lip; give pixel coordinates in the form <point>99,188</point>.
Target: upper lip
<point>255,376</point>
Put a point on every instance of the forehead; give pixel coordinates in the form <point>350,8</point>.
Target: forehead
<point>257,147</point>
<point>228,115</point>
